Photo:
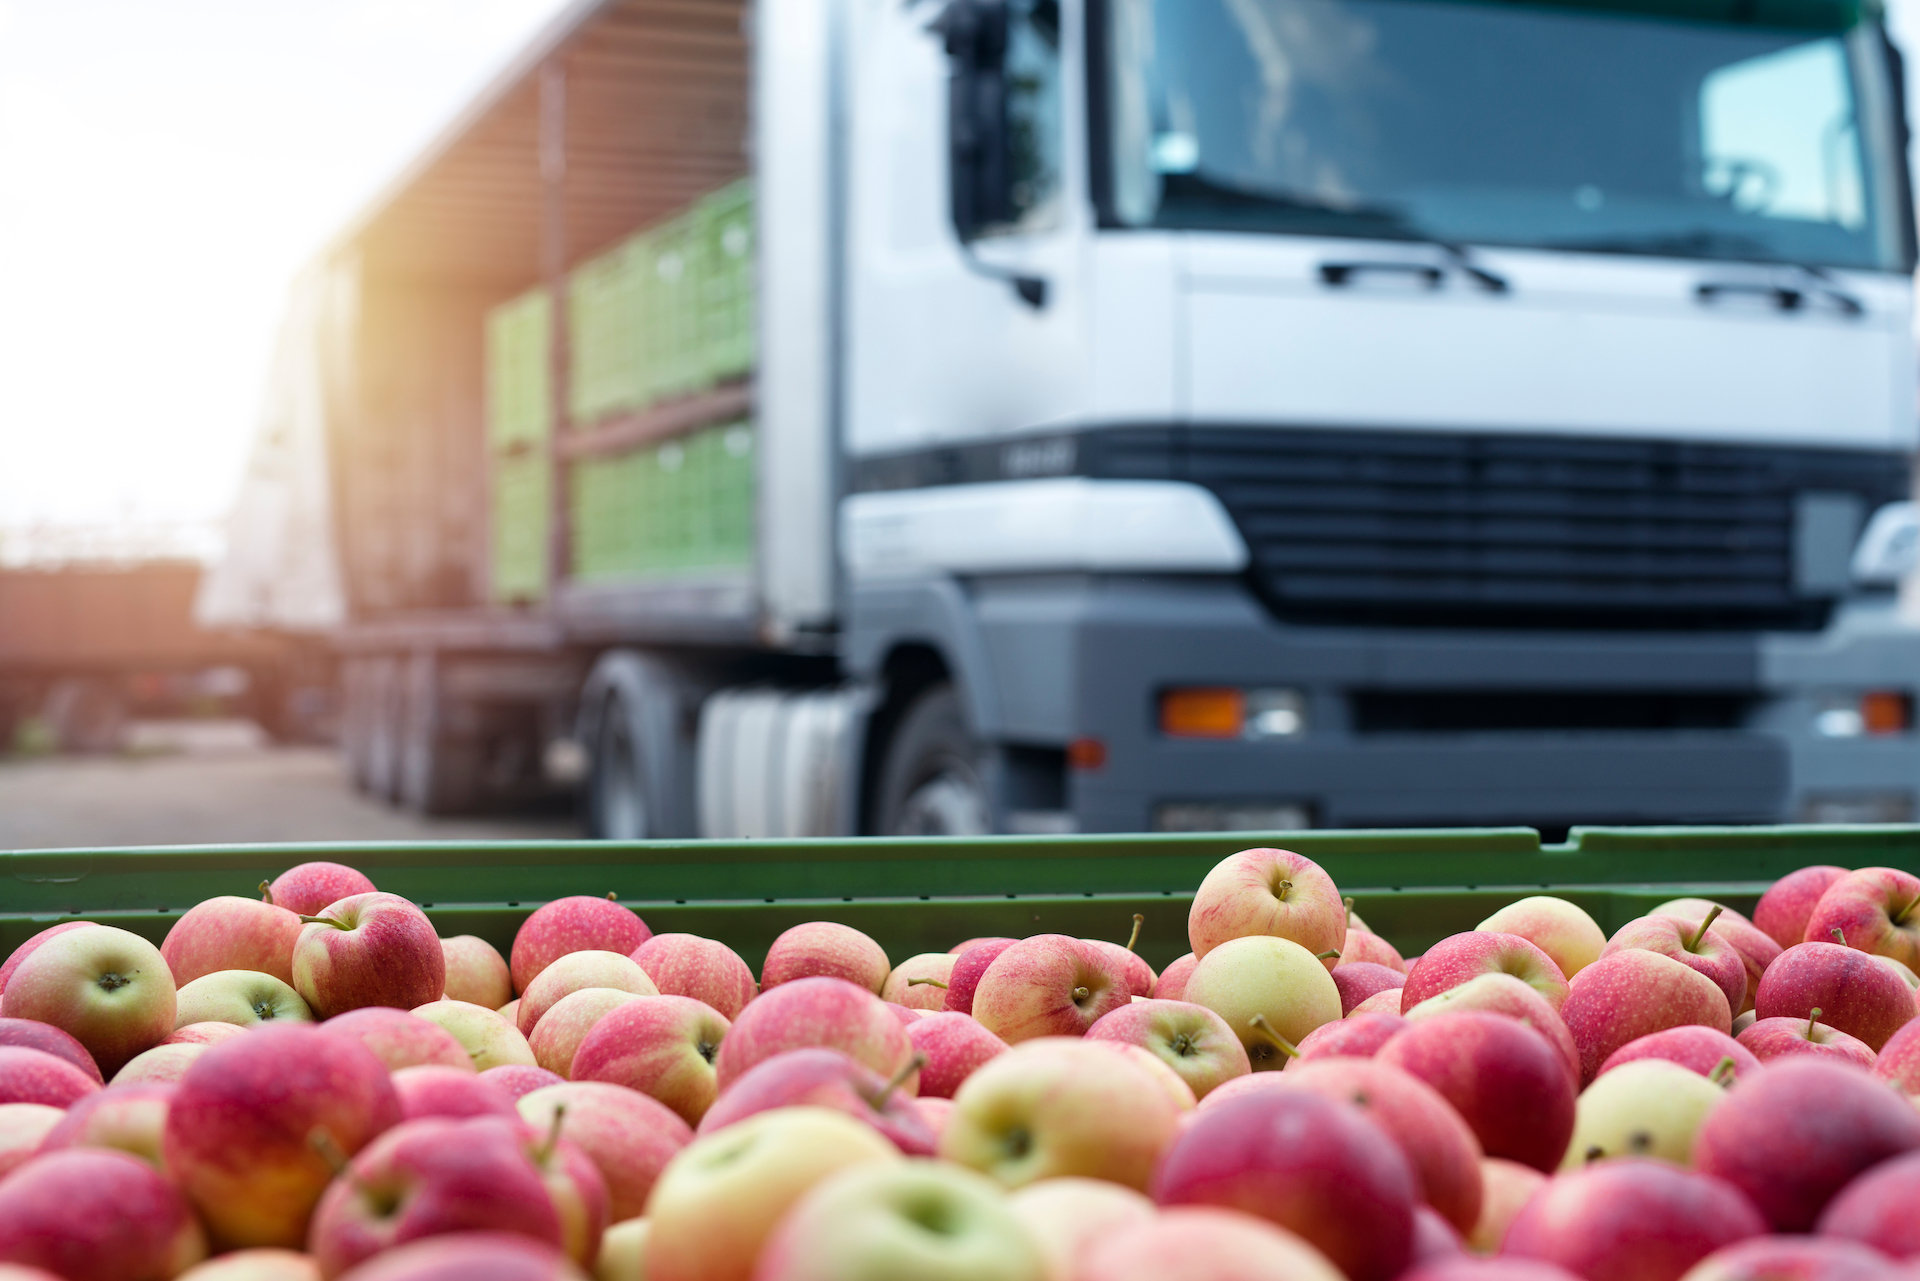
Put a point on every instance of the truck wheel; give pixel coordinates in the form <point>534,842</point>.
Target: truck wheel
<point>634,720</point>
<point>617,808</point>
<point>931,784</point>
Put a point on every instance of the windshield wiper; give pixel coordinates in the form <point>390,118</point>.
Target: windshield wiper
<point>1725,246</point>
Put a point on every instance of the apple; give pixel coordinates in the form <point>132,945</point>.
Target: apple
<point>1172,983</point>
<point>623,1251</point>
<point>1857,993</point>
<point>1876,1209</point>
<point>1756,947</point>
<point>1358,980</point>
<point>1364,947</point>
<point>238,1134</point>
<point>1190,1039</point>
<point>23,1129</point>
<point>26,949</point>
<point>1693,943</point>
<point>162,1065</point>
<point>520,1079</point>
<point>32,1035</point>
<point>1698,1049</point>
<point>131,1118</point>
<point>110,990</point>
<point>1778,1258</point>
<point>400,1039</point>
<point>433,1089</point>
<point>1634,992</point>
<point>1052,1107</point>
<point>1507,1081</point>
<point>825,949</point>
<point>203,1033</point>
<point>954,1045</point>
<point>306,889</point>
<point>920,982</point>
<point>906,1016</point>
<point>1140,976</point>
<point>1268,892</point>
<point>470,1256</point>
<point>370,949</point>
<point>1798,1131</point>
<point>965,945</point>
<point>1562,930</point>
<point>231,933</point>
<point>1048,985</point>
<point>574,972</point>
<point>569,1021</point>
<point>240,997</point>
<point>1358,1036</point>
<point>1650,1107</point>
<point>1771,1039</point>
<point>1069,1217</point>
<point>814,1011</point>
<point>968,965</point>
<point>1461,957</point>
<point>629,1136</point>
<point>93,1214</point>
<point>1505,994</point>
<point>690,966</point>
<point>717,1203</point>
<point>1198,1243</point>
<point>1743,1022</point>
<point>1273,978</point>
<point>252,1265</point>
<point>1631,1217</point>
<point>34,1076</point>
<point>1505,1188</point>
<point>662,1046</point>
<point>828,1079</point>
<point>581,923</point>
<point>1877,909</point>
<point>1177,1090</point>
<point>476,972</point>
<point>915,1219</point>
<point>489,1040</point>
<point>1385,1002</point>
<point>1314,1166</point>
<point>510,1012</point>
<point>1783,911</point>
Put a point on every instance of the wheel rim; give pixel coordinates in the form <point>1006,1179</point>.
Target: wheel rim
<point>951,803</point>
<point>622,805</point>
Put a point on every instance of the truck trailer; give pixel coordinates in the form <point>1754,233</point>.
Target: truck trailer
<point>960,416</point>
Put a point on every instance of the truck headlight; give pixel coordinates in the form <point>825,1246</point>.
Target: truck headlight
<point>1876,712</point>
<point>1889,549</point>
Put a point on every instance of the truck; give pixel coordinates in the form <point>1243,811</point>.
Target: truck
<point>965,416</point>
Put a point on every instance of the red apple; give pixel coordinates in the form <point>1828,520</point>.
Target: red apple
<point>1877,909</point>
<point>34,1076</point>
<point>1462,957</point>
<point>1069,1217</point>
<point>920,982</point>
<point>814,1011</point>
<point>1358,1036</point>
<point>1698,948</point>
<point>1631,1218</point>
<point>825,949</point>
<point>520,1079</point>
<point>131,1118</point>
<point>400,1039</point>
<point>581,923</point>
<point>906,1016</point>
<point>1140,976</point>
<point>1268,892</point>
<point>935,1113</point>
<point>1506,1080</point>
<point>1561,929</point>
<point>568,1023</point>
<point>662,1046</point>
<point>1506,1187</point>
<point>1781,1258</point>
<point>1315,1167</point>
<point>470,1256</point>
<point>955,1044</point>
<point>109,989</point>
<point>701,969</point>
<point>203,1033</point>
<point>1466,1267</point>
<point>306,889</point>
<point>92,1214</point>
<point>627,1135</point>
<point>1877,1208</point>
<point>1504,994</point>
<point>1172,983</point>
<point>1434,1239</point>
<point>1626,996</point>
<point>1798,1131</point>
<point>370,949</point>
<point>1047,985</point>
<point>162,1065</point>
<point>230,933</point>
<point>1756,947</point>
<point>824,1079</point>
<point>239,1132</point>
<point>1364,947</point>
<point>1898,1063</point>
<point>1198,1243</point>
<point>1190,1039</point>
<point>1699,1049</point>
<point>31,1035</point>
<point>575,972</point>
<point>26,949</point>
<point>1788,904</point>
<point>250,1265</point>
<point>476,972</point>
<point>1387,1002</point>
<point>968,965</point>
<point>23,1128</point>
<point>1358,980</point>
<point>432,1089</point>
<point>1771,1039</point>
<point>1855,992</point>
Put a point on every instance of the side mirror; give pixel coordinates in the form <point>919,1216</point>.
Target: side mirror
<point>979,155</point>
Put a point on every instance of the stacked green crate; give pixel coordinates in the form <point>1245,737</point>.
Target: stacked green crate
<point>680,507</point>
<point>604,338</point>
<point>519,419</point>
<point>675,329</point>
<point>724,225</point>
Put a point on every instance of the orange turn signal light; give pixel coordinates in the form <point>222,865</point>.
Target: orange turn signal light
<point>1203,713</point>
<point>1885,711</point>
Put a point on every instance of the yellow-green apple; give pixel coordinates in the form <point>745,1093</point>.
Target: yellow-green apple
<point>370,949</point>
<point>815,1011</point>
<point>521,1079</point>
<point>574,972</point>
<point>309,887</point>
<point>231,933</point>
<point>567,1023</point>
<point>1358,1036</point>
<point>162,1065</point>
<point>629,1136</point>
<point>1462,957</point>
<point>1876,909</point>
<point>131,1118</point>
<point>690,966</point>
<point>476,972</point>
<point>240,997</point>
<point>26,949</point>
<point>1561,929</point>
<point>1876,1209</point>
<point>94,1214</point>
<point>1505,994</point>
<point>1698,1049</point>
<point>489,1040</point>
<point>1782,1258</point>
<point>954,1045</point>
<point>580,923</point>
<point>1274,978</point>
<point>1047,985</point>
<point>31,1035</point>
<point>920,982</point>
<point>400,1039</point>
<point>825,1079</point>
<point>1771,1039</point>
<point>203,1033</point>
<point>1855,992</point>
<point>662,1046</point>
<point>239,1134</point>
<point>254,1265</point>
<point>718,1202</point>
<point>1630,1218</point>
<point>1650,1107</point>
<point>34,1076</point>
<point>1068,1217</point>
<point>920,1219</point>
<point>1316,1167</point>
<point>1053,1107</point>
<point>968,965</point>
<point>1756,947</point>
<point>1190,1039</point>
<point>1783,911</point>
<point>1172,983</point>
<point>1358,980</point>
<point>1443,1152</point>
<point>433,1089</point>
<point>466,1256</point>
<point>1796,1132</point>
<point>1274,893</point>
<point>1364,947</point>
<point>23,1127</point>
<point>1695,945</point>
<point>1505,1187</point>
<point>623,1251</point>
<point>510,1012</point>
<point>110,990</point>
<point>1505,1080</point>
<point>1634,992</point>
<point>1201,1244</point>
<point>825,949</point>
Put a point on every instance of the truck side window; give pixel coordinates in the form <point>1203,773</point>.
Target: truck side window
<point>1034,133</point>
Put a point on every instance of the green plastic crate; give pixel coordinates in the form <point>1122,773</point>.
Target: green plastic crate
<point>681,507</point>
<point>519,406</point>
<point>607,374</point>
<point>522,494</point>
<point>724,224</point>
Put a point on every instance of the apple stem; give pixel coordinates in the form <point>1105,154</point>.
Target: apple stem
<point>1266,1030</point>
<point>897,1080</point>
<point>1347,903</point>
<point>323,1143</point>
<point>1811,1016</point>
<point>1722,1074</point>
<point>266,891</point>
<point>1082,993</point>
<point>612,897</point>
<point>1139,920</point>
<point>323,920</point>
<point>1693,944</point>
<point>1839,935</point>
<point>928,982</point>
<point>553,1134</point>
<point>1330,953</point>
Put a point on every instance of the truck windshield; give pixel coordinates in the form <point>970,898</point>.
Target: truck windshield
<point>1498,124</point>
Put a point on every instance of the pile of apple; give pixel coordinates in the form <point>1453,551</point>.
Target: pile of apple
<point>314,1084</point>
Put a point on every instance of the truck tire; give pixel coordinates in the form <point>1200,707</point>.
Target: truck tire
<point>932,783</point>
<point>634,717</point>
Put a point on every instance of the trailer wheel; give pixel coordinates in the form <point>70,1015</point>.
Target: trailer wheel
<point>617,808</point>
<point>635,720</point>
<point>931,783</point>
